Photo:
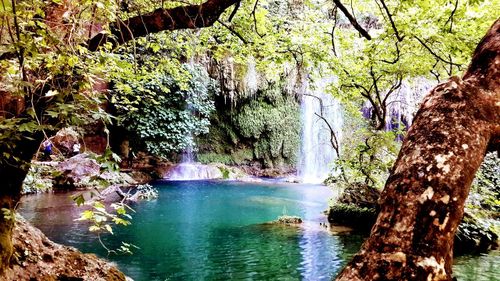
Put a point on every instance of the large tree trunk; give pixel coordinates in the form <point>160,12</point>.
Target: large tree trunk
<point>12,175</point>
<point>423,200</point>
<point>9,195</point>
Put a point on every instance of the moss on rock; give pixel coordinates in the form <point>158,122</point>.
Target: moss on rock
<point>263,129</point>
<point>359,218</point>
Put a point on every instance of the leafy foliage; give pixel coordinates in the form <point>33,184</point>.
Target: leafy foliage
<point>53,80</point>
<point>162,115</point>
<point>483,202</point>
<point>368,155</point>
<point>49,82</point>
<point>487,181</point>
<point>275,127</point>
<point>39,179</point>
<point>147,192</point>
<point>214,157</point>
<point>101,219</point>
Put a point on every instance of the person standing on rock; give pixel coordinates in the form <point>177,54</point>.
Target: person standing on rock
<point>47,149</point>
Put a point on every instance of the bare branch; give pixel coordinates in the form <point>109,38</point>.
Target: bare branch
<point>389,15</point>
<point>436,73</point>
<point>320,102</point>
<point>450,19</point>
<point>352,20</point>
<point>398,55</point>
<point>255,19</point>
<point>436,55</point>
<point>332,34</point>
<point>333,137</point>
<point>233,31</point>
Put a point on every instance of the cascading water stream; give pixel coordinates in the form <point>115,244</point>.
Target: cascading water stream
<point>251,81</point>
<point>188,169</point>
<point>317,152</point>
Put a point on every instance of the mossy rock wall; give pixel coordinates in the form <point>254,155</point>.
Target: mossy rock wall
<point>262,130</point>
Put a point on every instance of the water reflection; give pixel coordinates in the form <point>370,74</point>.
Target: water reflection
<point>485,267</point>
<point>216,231</point>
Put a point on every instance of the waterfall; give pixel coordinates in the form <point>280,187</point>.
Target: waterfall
<point>317,153</point>
<point>193,171</point>
<point>251,81</point>
<point>188,169</point>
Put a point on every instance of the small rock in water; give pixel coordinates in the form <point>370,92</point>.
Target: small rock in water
<point>289,220</point>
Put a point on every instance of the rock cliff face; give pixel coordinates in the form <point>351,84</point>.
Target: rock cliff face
<point>36,258</point>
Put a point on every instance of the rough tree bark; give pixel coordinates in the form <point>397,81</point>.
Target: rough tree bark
<point>423,200</point>
<point>13,174</point>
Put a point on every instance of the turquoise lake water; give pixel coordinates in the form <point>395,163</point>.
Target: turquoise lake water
<point>209,230</point>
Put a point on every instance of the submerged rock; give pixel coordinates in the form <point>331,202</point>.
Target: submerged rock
<point>37,258</point>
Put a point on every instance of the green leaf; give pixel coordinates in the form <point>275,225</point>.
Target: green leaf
<point>79,199</point>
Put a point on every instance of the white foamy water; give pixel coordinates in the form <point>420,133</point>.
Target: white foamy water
<point>317,153</point>
<point>194,171</point>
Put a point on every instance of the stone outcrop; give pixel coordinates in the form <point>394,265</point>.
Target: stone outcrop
<point>36,258</point>
<point>79,168</point>
<point>356,207</point>
<point>289,220</point>
<point>65,141</point>
<point>473,236</point>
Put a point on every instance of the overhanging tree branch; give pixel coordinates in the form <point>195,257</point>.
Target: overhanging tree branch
<point>438,57</point>
<point>183,17</point>
<point>393,25</point>
<point>352,20</point>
